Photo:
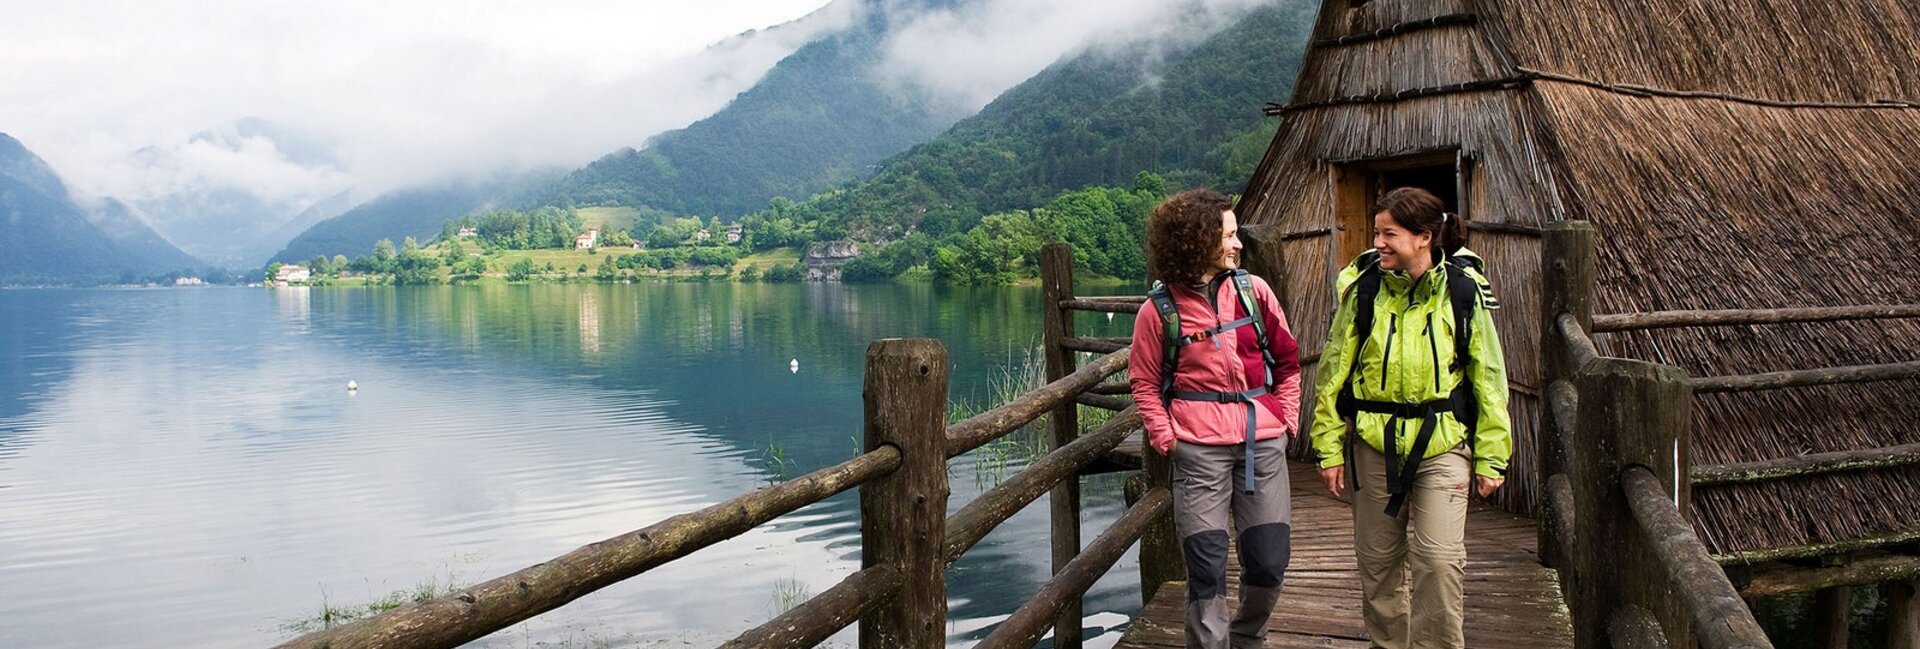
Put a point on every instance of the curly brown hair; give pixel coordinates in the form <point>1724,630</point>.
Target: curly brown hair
<point>1183,235</point>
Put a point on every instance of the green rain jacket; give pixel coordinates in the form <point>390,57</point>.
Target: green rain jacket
<point>1413,322</point>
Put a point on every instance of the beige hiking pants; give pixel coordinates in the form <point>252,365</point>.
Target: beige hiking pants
<point>1433,549</point>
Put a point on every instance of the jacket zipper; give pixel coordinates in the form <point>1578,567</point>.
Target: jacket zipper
<point>1386,358</point>
<point>1435,347</point>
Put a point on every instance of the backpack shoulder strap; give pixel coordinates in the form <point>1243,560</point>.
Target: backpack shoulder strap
<point>1365,290</point>
<point>1466,293</point>
<point>1243,285</point>
<point>1162,298</point>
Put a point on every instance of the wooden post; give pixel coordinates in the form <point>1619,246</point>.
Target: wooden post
<point>1832,613</point>
<point>903,515</point>
<point>1161,559</point>
<point>1567,263</point>
<point>1056,278</point>
<point>1631,413</point>
<point>1903,615</point>
<point>1263,256</point>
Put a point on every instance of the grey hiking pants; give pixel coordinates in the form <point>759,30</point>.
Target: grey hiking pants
<point>1206,489</point>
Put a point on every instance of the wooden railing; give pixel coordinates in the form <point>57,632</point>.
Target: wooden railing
<point>899,596</point>
<point>1614,446</point>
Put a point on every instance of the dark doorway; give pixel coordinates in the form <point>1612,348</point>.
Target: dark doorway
<point>1359,183</point>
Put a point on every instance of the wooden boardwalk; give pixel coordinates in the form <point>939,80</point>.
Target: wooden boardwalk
<point>1512,600</point>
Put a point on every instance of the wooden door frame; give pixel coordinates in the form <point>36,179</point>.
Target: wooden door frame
<point>1356,184</point>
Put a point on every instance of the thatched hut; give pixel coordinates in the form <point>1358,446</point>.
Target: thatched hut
<point>1752,154</point>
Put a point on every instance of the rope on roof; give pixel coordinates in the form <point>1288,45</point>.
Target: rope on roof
<point>1528,75</point>
<point>1519,81</point>
<point>1638,90</point>
<point>1390,31</point>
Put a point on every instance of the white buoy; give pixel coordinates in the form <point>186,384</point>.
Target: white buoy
<point>794,366</point>
<point>353,387</point>
<point>1109,316</point>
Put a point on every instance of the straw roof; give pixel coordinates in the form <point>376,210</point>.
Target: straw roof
<point>1730,155</point>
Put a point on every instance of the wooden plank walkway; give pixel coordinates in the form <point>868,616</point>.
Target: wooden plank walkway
<point>1512,600</point>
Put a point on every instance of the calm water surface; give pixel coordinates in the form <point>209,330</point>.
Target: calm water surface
<point>186,467</point>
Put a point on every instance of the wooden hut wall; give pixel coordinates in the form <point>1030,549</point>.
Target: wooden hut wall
<point>1790,50</point>
<point>1710,204</point>
<point>1294,186</point>
<point>1342,18</point>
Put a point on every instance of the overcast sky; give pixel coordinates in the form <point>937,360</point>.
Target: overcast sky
<point>409,91</point>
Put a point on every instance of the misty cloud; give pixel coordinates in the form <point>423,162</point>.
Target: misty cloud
<point>976,51</point>
<point>116,94</point>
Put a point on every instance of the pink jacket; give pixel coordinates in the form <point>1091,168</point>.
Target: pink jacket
<point>1236,365</point>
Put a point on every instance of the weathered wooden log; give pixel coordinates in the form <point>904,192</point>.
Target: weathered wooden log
<point>1780,579</point>
<point>1162,557</point>
<point>1514,229</point>
<point>1567,266</point>
<point>1056,278</point>
<point>1306,234</point>
<point>1721,619</point>
<point>991,425</point>
<point>1111,388</point>
<point>1103,402</point>
<point>1561,515</point>
<point>980,517</point>
<point>1879,542</point>
<point>1563,410</point>
<point>1632,627</point>
<point>903,516</point>
<point>1102,305</point>
<point>1812,464</point>
<point>825,614</point>
<point>1903,615</point>
<point>1265,255</point>
<point>1724,317</point>
<point>1832,615</point>
<point>1032,619</point>
<point>1580,347</point>
<point>1800,378</point>
<point>1095,345</point>
<point>1631,413</point>
<point>474,612</point>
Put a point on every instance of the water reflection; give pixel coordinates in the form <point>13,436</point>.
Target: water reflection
<point>195,448</point>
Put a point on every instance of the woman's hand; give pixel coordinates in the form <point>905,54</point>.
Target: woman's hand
<point>1485,486</point>
<point>1335,477</point>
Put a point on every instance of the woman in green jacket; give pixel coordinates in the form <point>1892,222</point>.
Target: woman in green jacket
<point>1412,412</point>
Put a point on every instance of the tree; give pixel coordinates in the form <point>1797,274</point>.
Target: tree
<point>608,269</point>
<point>339,263</point>
<point>521,270</point>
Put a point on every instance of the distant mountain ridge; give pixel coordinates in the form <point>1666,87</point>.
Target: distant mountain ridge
<point>1189,113</point>
<point>50,235</point>
<point>822,116</point>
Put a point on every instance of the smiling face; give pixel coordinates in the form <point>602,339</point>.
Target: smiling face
<point>1401,249</point>
<point>1227,256</point>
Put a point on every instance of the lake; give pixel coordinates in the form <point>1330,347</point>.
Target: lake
<point>186,467</point>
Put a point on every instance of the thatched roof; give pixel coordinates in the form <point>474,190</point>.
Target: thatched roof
<point>1730,155</point>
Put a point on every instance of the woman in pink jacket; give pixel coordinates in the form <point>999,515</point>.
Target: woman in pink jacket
<point>1220,397</point>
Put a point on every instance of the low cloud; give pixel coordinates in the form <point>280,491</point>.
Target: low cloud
<point>975,51</point>
<point>115,94</point>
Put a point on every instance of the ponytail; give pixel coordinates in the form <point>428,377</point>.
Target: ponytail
<point>1452,235</point>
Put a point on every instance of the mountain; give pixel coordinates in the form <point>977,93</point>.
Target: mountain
<point>227,194</point>
<point>1191,114</point>
<point>822,116</point>
<point>412,212</point>
<point>50,235</point>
